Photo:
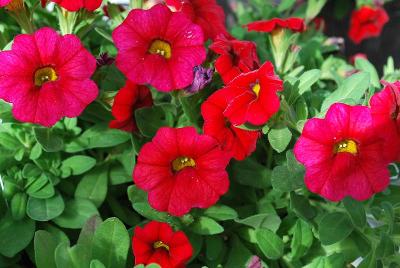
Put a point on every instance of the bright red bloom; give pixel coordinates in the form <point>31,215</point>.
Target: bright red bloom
<point>385,108</point>
<point>343,154</point>
<point>367,22</point>
<point>75,5</point>
<point>206,13</point>
<point>159,47</point>
<point>238,142</point>
<point>179,159</point>
<point>253,96</point>
<point>128,99</point>
<point>293,24</point>
<point>157,243</point>
<point>236,57</point>
<point>47,76</point>
<point>3,3</point>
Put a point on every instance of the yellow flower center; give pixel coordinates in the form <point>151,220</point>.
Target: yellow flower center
<point>182,162</point>
<point>161,48</point>
<point>256,89</point>
<point>44,75</point>
<point>15,5</point>
<point>346,146</point>
<point>160,244</point>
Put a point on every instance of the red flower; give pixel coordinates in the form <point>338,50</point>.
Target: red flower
<point>75,5</point>
<point>253,96</point>
<point>3,3</point>
<point>177,160</point>
<point>205,13</point>
<point>157,243</point>
<point>236,57</point>
<point>130,98</point>
<point>385,108</point>
<point>367,22</point>
<point>343,154</point>
<point>237,142</point>
<point>294,24</point>
<point>47,76</point>
<point>159,47</point>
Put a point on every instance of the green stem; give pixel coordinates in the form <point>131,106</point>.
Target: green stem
<point>23,18</point>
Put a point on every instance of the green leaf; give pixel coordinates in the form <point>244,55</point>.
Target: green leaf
<point>301,206</point>
<point>48,140</point>
<point>9,142</point>
<point>15,235</point>
<point>251,173</point>
<point>221,213</point>
<point>97,264</point>
<point>282,179</point>
<point>76,165</point>
<point>239,255</point>
<point>262,221</point>
<point>67,257</point>
<point>366,66</point>
<point>31,171</point>
<point>45,209</point>
<point>334,227</point>
<point>93,186</point>
<point>356,211</point>
<point>76,213</point>
<point>307,79</point>
<point>302,239</point>
<point>285,5</point>
<point>214,246</point>
<point>45,245</point>
<point>313,8</point>
<point>18,206</point>
<point>385,247</point>
<point>353,88</point>
<point>270,244</point>
<point>111,243</point>
<point>279,138</point>
<point>206,226</point>
<point>333,261</point>
<point>150,119</point>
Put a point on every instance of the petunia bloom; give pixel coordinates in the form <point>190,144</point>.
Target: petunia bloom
<point>181,169</point>
<point>238,142</point>
<point>13,5</point>
<point>157,243</point>
<point>342,154</point>
<point>159,47</point>
<point>3,3</point>
<point>253,96</point>
<point>75,5</point>
<point>385,108</point>
<point>367,22</point>
<point>268,26</point>
<point>128,99</point>
<point>206,13</point>
<point>47,77</point>
<point>236,57</point>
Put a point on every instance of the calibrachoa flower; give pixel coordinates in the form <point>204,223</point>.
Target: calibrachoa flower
<point>75,5</point>
<point>342,154</point>
<point>47,76</point>
<point>128,99</point>
<point>159,47</point>
<point>238,142</point>
<point>385,107</point>
<point>181,169</point>
<point>157,243</point>
<point>206,13</point>
<point>367,22</point>
<point>236,57</point>
<point>253,96</point>
<point>3,3</point>
<point>268,26</point>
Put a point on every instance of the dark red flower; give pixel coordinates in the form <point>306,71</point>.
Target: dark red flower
<point>159,47</point>
<point>236,57</point>
<point>367,22</point>
<point>157,243</point>
<point>181,169</point>
<point>385,107</point>
<point>238,142</point>
<point>128,99</point>
<point>294,24</point>
<point>342,154</point>
<point>253,96</point>
<point>75,5</point>
<point>206,13</point>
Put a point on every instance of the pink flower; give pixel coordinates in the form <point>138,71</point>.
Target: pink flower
<point>342,154</point>
<point>47,76</point>
<point>3,3</point>
<point>159,47</point>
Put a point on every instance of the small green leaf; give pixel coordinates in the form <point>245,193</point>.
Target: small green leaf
<point>301,206</point>
<point>239,254</point>
<point>111,243</point>
<point>334,227</point>
<point>221,213</point>
<point>307,79</point>
<point>45,245</point>
<point>45,209</point>
<point>262,221</point>
<point>48,140</point>
<point>206,226</point>
<point>356,211</point>
<point>270,244</point>
<point>96,264</point>
<point>366,66</point>
<point>279,138</point>
<point>251,173</point>
<point>150,119</point>
<point>93,186</point>
<point>282,179</point>
<point>214,246</point>
<point>77,165</point>
<point>302,239</point>
<point>76,213</point>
